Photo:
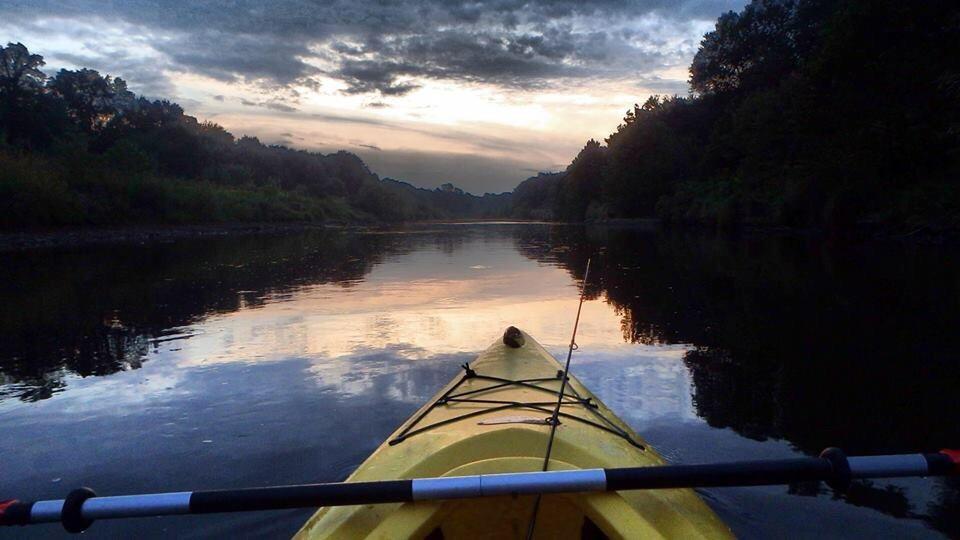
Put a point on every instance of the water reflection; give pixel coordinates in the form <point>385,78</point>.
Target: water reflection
<point>786,331</point>
<point>94,311</point>
<point>233,355</point>
<point>853,348</point>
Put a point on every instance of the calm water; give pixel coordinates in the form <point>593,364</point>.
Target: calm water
<point>260,360</point>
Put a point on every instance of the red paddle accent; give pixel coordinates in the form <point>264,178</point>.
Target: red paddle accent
<point>3,508</point>
<point>954,456</point>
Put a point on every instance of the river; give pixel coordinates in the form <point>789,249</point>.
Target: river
<point>253,360</point>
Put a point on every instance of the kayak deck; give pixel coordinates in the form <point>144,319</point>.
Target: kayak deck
<point>493,418</point>
<point>476,394</point>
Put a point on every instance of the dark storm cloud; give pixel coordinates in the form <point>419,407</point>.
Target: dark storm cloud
<point>225,56</point>
<point>523,61</point>
<point>380,47</point>
<point>363,76</point>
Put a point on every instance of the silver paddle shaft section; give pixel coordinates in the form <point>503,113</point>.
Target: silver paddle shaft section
<point>453,487</point>
<point>487,485</point>
<point>153,504</point>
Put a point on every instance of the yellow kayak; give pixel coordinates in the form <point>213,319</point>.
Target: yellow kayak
<point>494,418</point>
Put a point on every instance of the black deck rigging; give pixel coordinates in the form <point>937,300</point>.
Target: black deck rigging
<point>571,399</point>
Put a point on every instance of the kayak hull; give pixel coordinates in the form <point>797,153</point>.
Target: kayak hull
<point>492,419</point>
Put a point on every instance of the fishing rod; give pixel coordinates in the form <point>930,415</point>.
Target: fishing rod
<point>82,506</point>
<point>555,417</point>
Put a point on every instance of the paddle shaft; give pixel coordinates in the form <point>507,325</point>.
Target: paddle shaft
<point>81,507</point>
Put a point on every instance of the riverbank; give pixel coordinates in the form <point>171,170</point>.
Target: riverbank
<point>58,238</point>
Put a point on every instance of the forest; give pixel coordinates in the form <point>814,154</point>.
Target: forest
<point>79,148</point>
<point>824,114</point>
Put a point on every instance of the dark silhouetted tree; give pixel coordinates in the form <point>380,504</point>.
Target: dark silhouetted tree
<point>581,183</point>
<point>20,70</point>
<point>91,99</point>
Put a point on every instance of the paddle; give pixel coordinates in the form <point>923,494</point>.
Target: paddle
<point>82,506</point>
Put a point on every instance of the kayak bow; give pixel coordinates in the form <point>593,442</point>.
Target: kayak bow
<point>495,418</point>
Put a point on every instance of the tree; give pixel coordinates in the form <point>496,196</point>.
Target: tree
<point>137,118</point>
<point>653,150</point>
<point>28,116</point>
<point>92,100</point>
<point>19,70</point>
<point>752,48</point>
<point>581,184</point>
<point>535,197</point>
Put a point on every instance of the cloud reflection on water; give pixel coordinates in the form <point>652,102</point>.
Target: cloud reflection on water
<point>439,312</point>
<point>424,305</point>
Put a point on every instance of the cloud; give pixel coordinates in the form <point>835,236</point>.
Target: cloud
<point>526,61</point>
<point>279,106</point>
<point>659,85</point>
<point>364,76</point>
<point>489,143</point>
<point>274,105</point>
<point>225,56</point>
<point>347,119</point>
<point>371,147</point>
<point>389,49</point>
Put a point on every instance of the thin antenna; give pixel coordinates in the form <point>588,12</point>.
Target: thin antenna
<point>555,417</point>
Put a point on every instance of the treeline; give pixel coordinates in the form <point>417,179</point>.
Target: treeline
<point>444,202</point>
<point>822,113</point>
<point>79,148</point>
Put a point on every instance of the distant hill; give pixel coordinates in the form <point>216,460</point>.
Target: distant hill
<point>447,201</point>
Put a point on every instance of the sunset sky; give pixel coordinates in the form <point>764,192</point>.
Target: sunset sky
<point>481,94</point>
